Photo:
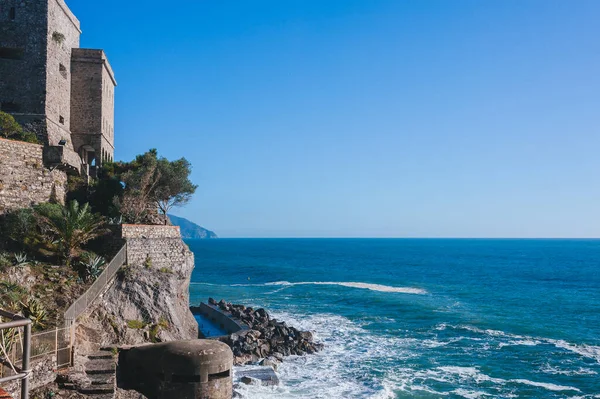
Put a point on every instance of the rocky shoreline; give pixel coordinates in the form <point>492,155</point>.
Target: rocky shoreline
<point>266,340</point>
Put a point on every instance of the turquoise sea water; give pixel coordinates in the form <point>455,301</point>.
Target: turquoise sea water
<point>412,318</point>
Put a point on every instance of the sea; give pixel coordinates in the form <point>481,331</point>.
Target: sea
<point>420,318</point>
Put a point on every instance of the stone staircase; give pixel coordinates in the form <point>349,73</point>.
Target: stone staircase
<point>100,371</point>
<point>97,378</point>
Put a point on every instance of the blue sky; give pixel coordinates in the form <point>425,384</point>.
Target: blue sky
<point>372,118</point>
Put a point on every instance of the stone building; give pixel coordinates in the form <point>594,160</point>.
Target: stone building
<point>63,92</point>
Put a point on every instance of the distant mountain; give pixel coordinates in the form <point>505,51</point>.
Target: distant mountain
<point>190,230</point>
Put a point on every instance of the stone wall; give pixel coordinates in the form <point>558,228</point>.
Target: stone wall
<point>61,21</point>
<point>23,178</point>
<point>92,102</point>
<point>162,252</point>
<point>150,231</point>
<point>23,33</point>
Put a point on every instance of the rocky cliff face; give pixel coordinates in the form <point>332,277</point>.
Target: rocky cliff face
<point>148,300</point>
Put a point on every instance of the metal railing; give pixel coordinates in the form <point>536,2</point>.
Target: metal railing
<point>55,342</point>
<point>82,303</point>
<point>22,373</point>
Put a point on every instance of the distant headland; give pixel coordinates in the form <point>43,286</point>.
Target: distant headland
<point>190,230</point>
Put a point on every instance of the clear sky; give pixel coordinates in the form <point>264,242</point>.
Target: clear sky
<point>370,118</point>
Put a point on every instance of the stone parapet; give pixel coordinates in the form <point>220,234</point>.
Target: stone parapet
<point>131,231</point>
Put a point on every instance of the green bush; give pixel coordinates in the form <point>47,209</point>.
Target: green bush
<point>148,262</point>
<point>136,324</point>
<point>5,261</point>
<point>10,129</point>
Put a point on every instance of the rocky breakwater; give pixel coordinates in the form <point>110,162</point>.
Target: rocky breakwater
<point>267,340</point>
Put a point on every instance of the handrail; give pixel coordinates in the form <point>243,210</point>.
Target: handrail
<point>85,300</point>
<point>20,321</point>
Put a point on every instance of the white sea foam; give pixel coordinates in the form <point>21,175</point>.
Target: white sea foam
<point>367,286</point>
<point>550,387</point>
<point>353,365</point>
<point>465,393</point>
<point>341,369</point>
<point>584,350</point>
<point>548,369</point>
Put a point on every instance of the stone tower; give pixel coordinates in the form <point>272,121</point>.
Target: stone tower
<point>66,92</point>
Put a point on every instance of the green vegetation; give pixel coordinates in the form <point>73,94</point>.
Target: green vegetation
<point>134,192</point>
<point>66,232</point>
<point>16,298</point>
<point>10,129</point>
<point>136,324</point>
<point>148,262</point>
<point>58,37</point>
<point>166,270</point>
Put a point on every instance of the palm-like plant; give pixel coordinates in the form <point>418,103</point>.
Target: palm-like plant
<point>71,228</point>
<point>21,259</point>
<point>36,312</point>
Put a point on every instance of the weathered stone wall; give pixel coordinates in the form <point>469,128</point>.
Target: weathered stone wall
<point>92,102</point>
<point>23,178</point>
<point>61,21</point>
<point>108,110</point>
<point>23,32</point>
<point>150,231</point>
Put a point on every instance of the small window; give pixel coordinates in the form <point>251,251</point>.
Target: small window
<point>11,53</point>
<point>61,119</point>
<point>12,14</point>
<point>63,70</point>
<point>217,376</point>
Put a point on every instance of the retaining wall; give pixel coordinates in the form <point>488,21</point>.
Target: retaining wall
<point>24,181</point>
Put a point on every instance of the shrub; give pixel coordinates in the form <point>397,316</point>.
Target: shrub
<point>153,333</point>
<point>21,259</point>
<point>66,232</point>
<point>10,129</point>
<point>148,262</point>
<point>91,266</point>
<point>136,324</point>
<point>36,312</point>
<point>166,270</point>
<point>124,272</point>
<point>5,261</point>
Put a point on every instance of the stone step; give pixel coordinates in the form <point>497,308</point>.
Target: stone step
<point>101,355</point>
<point>98,389</point>
<point>100,366</point>
<point>101,379</point>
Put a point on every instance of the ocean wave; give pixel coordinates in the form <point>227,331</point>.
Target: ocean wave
<point>341,369</point>
<point>584,350</point>
<point>358,364</point>
<point>476,375</point>
<point>550,387</point>
<point>367,286</point>
<point>548,369</point>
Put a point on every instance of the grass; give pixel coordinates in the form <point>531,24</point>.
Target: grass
<point>136,324</point>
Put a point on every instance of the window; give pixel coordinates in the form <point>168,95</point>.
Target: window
<point>12,14</point>
<point>61,119</point>
<point>63,70</point>
<point>11,53</point>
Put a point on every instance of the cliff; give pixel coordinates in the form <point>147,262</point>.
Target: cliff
<point>149,299</point>
<point>190,230</point>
